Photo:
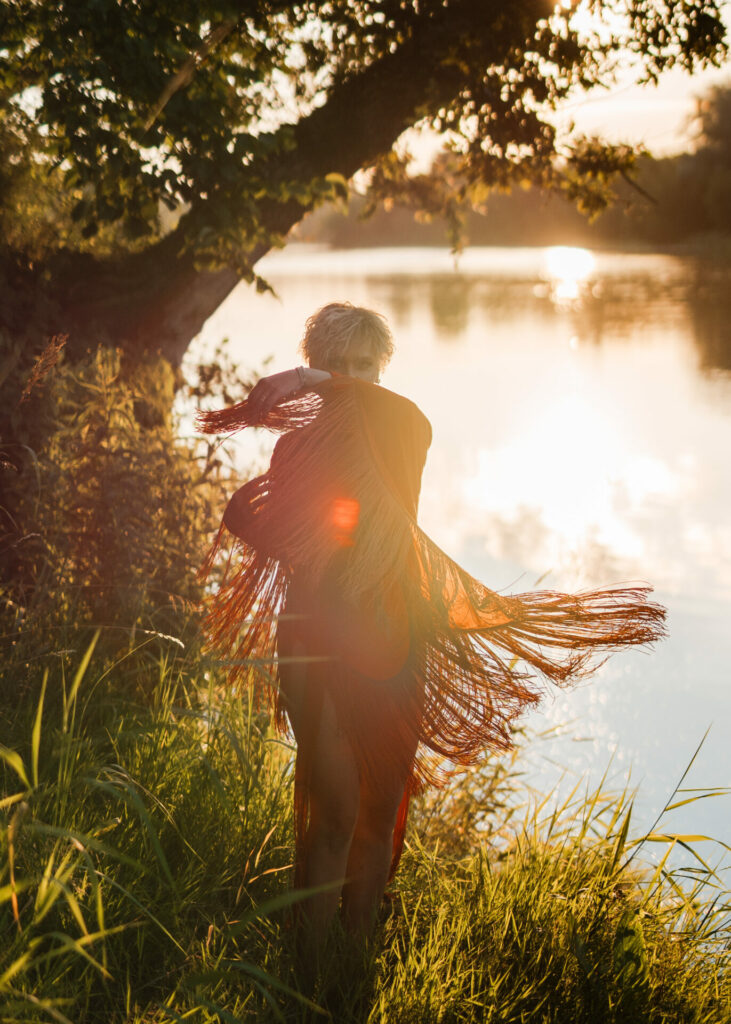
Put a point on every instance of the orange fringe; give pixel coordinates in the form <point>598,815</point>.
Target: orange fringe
<point>475,659</point>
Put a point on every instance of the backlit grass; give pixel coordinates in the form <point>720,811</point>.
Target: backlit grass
<point>145,852</point>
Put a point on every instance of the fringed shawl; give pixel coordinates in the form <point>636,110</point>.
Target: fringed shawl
<point>337,511</point>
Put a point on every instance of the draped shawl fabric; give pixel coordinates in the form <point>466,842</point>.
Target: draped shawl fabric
<point>331,565</point>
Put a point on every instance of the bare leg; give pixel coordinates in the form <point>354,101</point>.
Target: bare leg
<point>370,852</point>
<point>334,795</point>
<point>334,798</point>
<point>351,822</point>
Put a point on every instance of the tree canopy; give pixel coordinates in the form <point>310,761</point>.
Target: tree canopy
<point>152,151</point>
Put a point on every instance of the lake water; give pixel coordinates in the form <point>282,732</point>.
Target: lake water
<point>581,406</point>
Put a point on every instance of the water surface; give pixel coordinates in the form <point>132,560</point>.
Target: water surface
<point>581,406</point>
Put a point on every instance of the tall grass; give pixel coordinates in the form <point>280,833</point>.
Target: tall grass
<point>145,849</point>
<point>136,837</point>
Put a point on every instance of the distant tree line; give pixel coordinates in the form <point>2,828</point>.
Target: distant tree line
<point>669,201</point>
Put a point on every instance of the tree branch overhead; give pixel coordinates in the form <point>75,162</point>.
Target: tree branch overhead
<point>154,108</point>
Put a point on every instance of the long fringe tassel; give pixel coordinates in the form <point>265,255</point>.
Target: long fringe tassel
<point>296,412</point>
<point>478,658</point>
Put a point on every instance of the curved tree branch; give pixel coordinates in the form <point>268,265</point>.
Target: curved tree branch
<point>159,299</point>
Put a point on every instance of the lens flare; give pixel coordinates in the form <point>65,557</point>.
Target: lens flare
<point>344,518</point>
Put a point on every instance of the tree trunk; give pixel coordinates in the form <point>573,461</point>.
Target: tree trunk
<point>157,300</point>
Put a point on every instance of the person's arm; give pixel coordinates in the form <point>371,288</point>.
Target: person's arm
<point>237,515</point>
<point>270,390</point>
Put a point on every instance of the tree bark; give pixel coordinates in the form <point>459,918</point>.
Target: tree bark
<point>157,300</point>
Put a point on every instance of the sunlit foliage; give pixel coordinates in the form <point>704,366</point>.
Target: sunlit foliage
<point>105,513</point>
<point>122,111</point>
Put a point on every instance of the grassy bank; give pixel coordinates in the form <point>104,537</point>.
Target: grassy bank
<point>144,868</point>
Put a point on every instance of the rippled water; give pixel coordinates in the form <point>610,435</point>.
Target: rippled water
<point>581,406</point>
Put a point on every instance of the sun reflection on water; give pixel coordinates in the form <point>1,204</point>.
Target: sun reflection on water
<point>567,269</point>
<point>574,473</point>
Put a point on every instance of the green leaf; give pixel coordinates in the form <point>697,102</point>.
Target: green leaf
<point>15,761</point>
<point>629,953</point>
<point>36,735</point>
<point>80,673</point>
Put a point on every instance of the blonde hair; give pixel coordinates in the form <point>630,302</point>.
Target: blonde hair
<point>334,328</point>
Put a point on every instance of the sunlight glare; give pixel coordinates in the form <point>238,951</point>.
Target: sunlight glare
<point>578,475</point>
<point>567,268</point>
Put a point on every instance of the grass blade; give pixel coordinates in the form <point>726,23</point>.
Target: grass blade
<point>36,735</point>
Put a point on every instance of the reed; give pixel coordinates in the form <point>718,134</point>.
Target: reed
<point>145,855</point>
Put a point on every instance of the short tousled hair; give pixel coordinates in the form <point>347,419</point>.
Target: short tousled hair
<point>335,327</point>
